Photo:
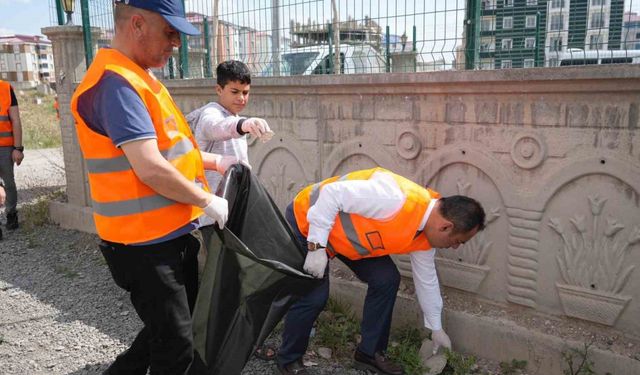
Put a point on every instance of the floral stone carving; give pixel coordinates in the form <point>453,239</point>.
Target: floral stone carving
<point>592,265</point>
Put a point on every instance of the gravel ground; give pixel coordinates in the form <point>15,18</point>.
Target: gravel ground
<point>60,312</point>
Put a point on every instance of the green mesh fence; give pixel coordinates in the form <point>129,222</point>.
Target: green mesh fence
<point>303,37</point>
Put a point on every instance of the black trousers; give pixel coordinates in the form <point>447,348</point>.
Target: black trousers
<point>163,281</point>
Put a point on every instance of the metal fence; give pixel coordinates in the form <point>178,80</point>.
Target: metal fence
<point>300,37</point>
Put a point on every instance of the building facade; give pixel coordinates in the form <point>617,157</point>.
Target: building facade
<point>26,61</point>
<point>631,31</point>
<point>532,33</point>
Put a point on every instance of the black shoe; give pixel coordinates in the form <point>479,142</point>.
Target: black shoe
<point>0,234</point>
<point>295,368</point>
<point>379,364</point>
<point>12,221</point>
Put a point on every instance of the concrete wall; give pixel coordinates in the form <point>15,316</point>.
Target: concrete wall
<point>553,154</point>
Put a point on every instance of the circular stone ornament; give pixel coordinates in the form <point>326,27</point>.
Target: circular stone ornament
<point>408,144</point>
<point>528,150</point>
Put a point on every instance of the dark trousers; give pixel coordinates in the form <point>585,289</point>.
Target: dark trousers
<point>163,281</point>
<point>382,278</point>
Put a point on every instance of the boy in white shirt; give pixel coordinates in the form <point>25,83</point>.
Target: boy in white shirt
<point>218,127</point>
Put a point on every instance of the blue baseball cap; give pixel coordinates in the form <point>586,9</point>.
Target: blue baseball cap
<point>171,10</point>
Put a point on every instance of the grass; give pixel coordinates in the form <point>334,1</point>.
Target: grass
<point>40,127</point>
<point>338,328</point>
<point>36,214</point>
<point>458,364</point>
<point>405,349</point>
<point>514,367</point>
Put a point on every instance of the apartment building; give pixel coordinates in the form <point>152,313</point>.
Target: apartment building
<point>631,31</point>
<point>531,33</point>
<point>26,60</point>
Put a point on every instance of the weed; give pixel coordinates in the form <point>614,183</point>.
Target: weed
<point>512,368</point>
<point>36,214</point>
<point>458,364</point>
<point>578,361</point>
<point>337,329</point>
<point>40,128</point>
<point>66,271</point>
<point>407,350</point>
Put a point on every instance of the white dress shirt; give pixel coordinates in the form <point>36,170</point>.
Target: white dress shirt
<point>379,198</point>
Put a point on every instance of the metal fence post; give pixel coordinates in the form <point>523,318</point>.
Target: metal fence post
<point>59,12</point>
<point>386,42</point>
<point>275,43</point>
<point>536,62</point>
<point>415,50</point>
<point>184,54</point>
<point>331,57</point>
<point>86,32</point>
<point>207,56</point>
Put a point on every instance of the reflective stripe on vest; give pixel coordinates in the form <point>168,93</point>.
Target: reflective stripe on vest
<point>121,163</point>
<point>6,134</point>
<point>4,118</point>
<point>350,231</point>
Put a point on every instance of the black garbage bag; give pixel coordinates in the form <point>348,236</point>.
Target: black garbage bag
<point>252,275</point>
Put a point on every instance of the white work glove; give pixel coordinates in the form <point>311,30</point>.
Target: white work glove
<point>218,210</point>
<point>440,338</point>
<point>315,263</point>
<point>258,128</point>
<point>223,162</point>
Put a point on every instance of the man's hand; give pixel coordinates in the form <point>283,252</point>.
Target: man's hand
<point>440,338</point>
<point>3,195</point>
<point>315,263</point>
<point>17,156</point>
<point>218,210</point>
<point>258,128</point>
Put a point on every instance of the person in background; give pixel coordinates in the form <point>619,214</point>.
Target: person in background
<point>146,176</point>
<point>11,149</point>
<point>362,218</point>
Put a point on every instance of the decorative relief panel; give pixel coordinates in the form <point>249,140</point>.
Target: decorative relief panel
<point>592,243</point>
<point>592,263</point>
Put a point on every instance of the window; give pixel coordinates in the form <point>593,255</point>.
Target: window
<point>507,44</point>
<point>555,4</point>
<point>529,63</point>
<point>532,2</point>
<point>507,23</point>
<point>505,64</point>
<point>530,21</point>
<point>530,43</point>
<point>508,3</point>
<point>487,44</point>
<point>596,41</point>
<point>488,4</point>
<point>555,43</point>
<point>488,23</point>
<point>598,2</point>
<point>597,20</point>
<point>553,62</point>
<point>487,64</point>
<point>557,22</point>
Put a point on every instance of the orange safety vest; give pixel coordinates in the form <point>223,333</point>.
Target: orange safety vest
<point>6,128</point>
<point>358,237</point>
<point>124,208</point>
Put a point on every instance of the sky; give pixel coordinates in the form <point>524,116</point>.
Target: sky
<point>29,16</point>
<point>24,16</point>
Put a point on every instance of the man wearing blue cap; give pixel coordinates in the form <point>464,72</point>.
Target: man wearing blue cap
<point>147,182</point>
